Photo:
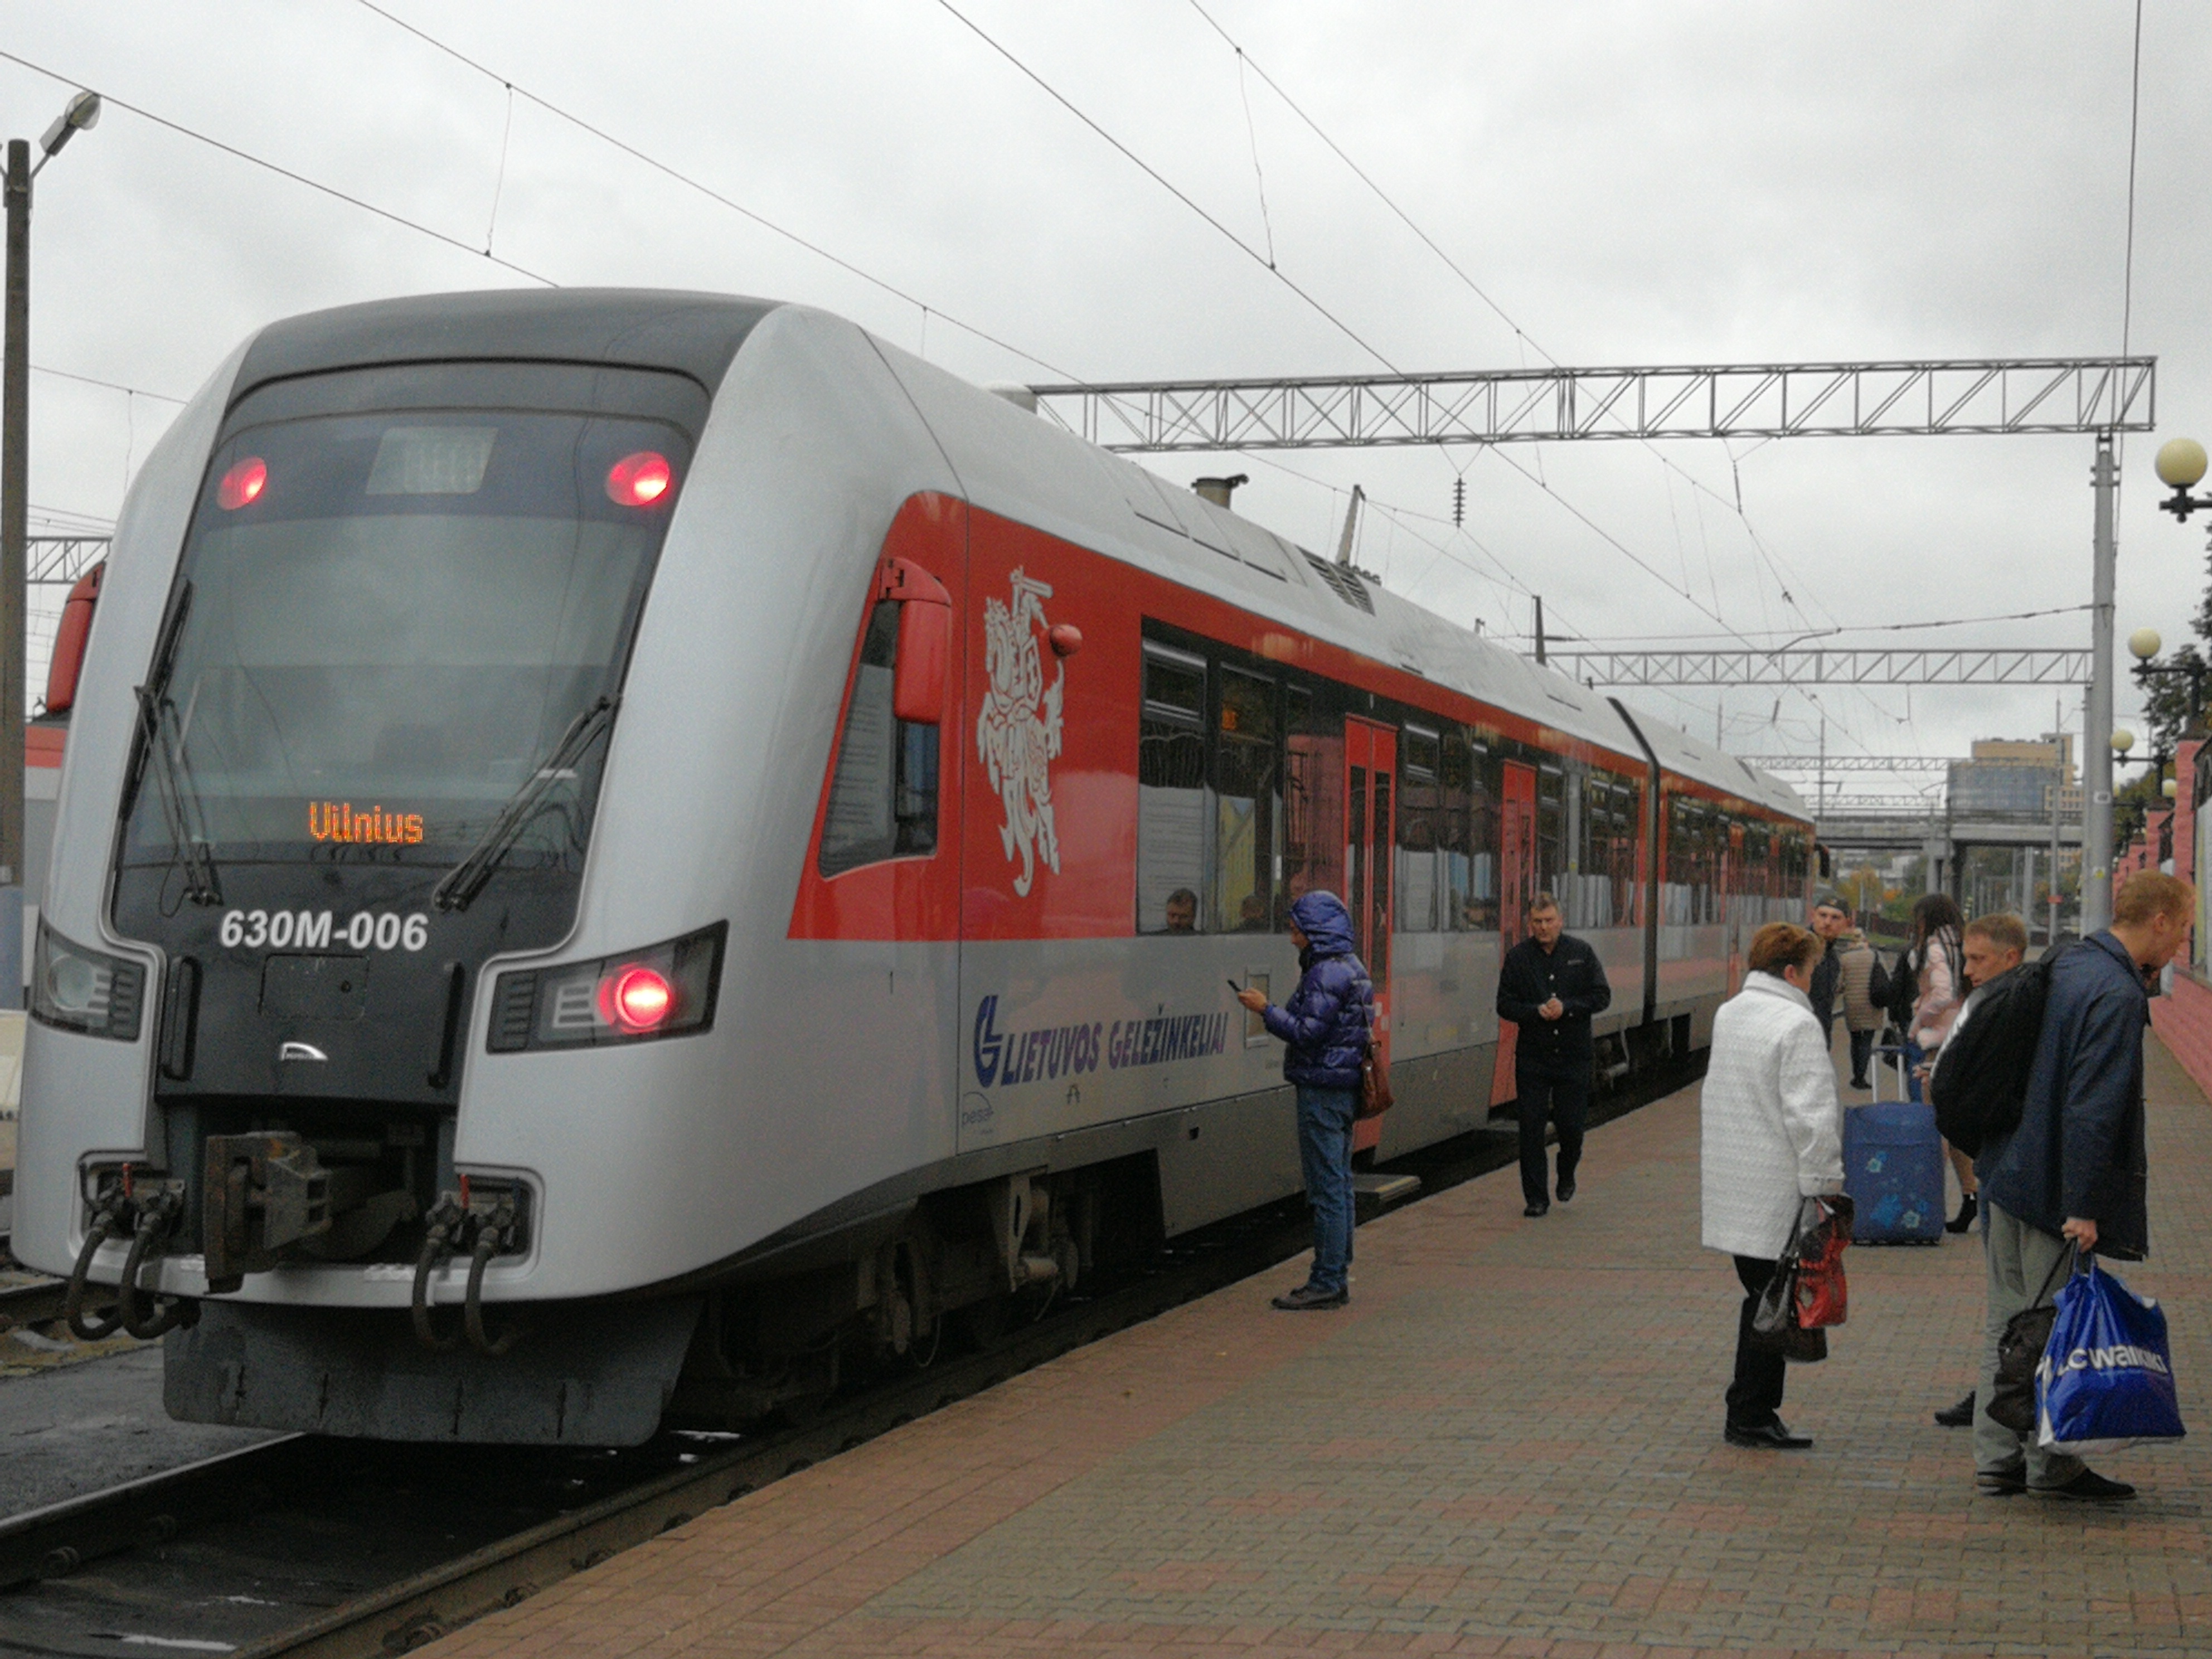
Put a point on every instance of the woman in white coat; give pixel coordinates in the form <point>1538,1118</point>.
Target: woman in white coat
<point>1772,1135</point>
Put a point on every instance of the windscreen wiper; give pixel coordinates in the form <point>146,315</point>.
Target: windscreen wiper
<point>162,747</point>
<point>181,809</point>
<point>465,880</point>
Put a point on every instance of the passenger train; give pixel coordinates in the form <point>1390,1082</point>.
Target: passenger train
<point>624,853</point>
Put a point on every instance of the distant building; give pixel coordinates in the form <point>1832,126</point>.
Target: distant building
<point>2013,777</point>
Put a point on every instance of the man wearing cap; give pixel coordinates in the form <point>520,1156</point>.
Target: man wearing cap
<point>1845,970</point>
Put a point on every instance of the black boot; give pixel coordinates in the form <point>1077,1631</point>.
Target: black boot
<point>1958,1223</point>
<point>1961,1415</point>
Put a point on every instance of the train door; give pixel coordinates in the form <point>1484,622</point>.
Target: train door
<point>1370,777</point>
<point>1517,886</point>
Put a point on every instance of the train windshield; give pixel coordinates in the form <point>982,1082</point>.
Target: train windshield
<point>394,630</point>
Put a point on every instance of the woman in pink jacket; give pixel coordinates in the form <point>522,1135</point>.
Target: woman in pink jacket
<point>1939,991</point>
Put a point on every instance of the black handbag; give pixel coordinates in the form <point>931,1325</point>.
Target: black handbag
<point>1774,1324</point>
<point>2019,1351</point>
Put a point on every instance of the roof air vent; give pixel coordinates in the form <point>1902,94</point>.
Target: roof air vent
<point>1346,580</point>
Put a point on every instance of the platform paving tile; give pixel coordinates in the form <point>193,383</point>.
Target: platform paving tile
<point>1507,1445</point>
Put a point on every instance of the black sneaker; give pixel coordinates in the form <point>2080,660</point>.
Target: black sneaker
<point>1308,1298</point>
<point>2089,1487</point>
<point>1961,1415</point>
<point>1539,1208</point>
<point>2000,1483</point>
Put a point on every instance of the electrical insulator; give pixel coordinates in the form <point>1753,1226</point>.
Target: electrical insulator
<point>1459,502</point>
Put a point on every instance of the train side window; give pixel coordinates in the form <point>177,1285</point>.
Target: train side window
<point>1171,826</point>
<point>1627,820</point>
<point>1313,793</point>
<point>1244,790</point>
<point>1471,775</point>
<point>1423,833</point>
<point>1692,865</point>
<point>1551,828</point>
<point>1606,883</point>
<point>883,798</point>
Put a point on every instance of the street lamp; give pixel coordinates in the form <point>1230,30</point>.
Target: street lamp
<point>81,113</point>
<point>2145,644</point>
<point>2181,465</point>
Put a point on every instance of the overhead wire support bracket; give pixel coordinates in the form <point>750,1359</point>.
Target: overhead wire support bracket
<point>1965,665</point>
<point>1927,398</point>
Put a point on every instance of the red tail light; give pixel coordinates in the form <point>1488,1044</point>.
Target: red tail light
<point>664,990</point>
<point>242,485</point>
<point>635,998</point>
<point>639,480</point>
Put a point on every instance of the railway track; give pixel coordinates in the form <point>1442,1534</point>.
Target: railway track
<point>314,1549</point>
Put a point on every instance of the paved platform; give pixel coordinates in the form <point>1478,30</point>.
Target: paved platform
<point>1508,1444</point>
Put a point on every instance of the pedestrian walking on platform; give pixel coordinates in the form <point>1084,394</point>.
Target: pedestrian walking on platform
<point>1549,985</point>
<point>2075,1171</point>
<point>1939,991</point>
<point>1771,1132</point>
<point>1325,1025</point>
<point>1848,967</point>
<point>1972,1082</point>
<point>1828,921</point>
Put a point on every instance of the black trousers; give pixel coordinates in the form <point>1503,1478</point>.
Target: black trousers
<point>1558,1091</point>
<point>1862,1052</point>
<point>1754,1393</point>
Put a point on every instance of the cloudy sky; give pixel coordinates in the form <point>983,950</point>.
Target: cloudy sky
<point>1615,184</point>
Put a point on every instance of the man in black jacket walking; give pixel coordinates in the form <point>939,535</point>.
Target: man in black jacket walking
<point>1549,985</point>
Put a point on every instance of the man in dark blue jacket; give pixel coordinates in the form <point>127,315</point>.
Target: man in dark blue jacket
<point>1325,1025</point>
<point>1549,985</point>
<point>2074,1170</point>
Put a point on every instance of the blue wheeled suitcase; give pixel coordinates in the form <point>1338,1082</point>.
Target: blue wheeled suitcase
<point>1893,1167</point>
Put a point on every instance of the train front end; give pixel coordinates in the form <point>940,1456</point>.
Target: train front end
<point>377,622</point>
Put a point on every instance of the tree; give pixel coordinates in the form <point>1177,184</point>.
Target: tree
<point>2131,803</point>
<point>2166,695</point>
<point>1863,890</point>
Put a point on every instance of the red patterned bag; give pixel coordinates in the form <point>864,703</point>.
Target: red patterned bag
<point>1824,1233</point>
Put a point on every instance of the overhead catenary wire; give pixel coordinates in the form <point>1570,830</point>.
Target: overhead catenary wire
<point>1259,258</point>
<point>112,386</point>
<point>1260,179</point>
<point>111,101</point>
<point>2135,111</point>
<point>1522,336</point>
<point>677,175</point>
<point>1252,253</point>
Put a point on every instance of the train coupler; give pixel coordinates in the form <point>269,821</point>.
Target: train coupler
<point>260,1193</point>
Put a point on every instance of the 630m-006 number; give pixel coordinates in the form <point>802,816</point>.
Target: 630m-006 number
<point>319,930</point>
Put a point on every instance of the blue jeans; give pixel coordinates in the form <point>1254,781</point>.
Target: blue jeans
<point>1914,1054</point>
<point>1325,1155</point>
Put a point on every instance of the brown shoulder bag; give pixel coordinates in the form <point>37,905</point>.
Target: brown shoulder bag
<point>1375,1095</point>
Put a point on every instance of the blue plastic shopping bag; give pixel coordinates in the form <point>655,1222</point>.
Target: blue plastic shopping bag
<point>2106,1379</point>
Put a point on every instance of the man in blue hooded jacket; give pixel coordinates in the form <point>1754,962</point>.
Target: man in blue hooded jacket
<point>1325,1026</point>
<point>2075,1171</point>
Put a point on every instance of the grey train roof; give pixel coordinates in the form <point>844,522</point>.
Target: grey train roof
<point>1008,461</point>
